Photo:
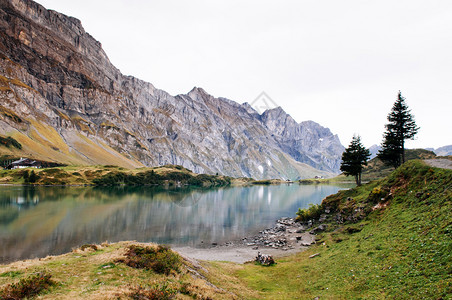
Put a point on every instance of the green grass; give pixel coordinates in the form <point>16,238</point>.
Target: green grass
<point>402,250</point>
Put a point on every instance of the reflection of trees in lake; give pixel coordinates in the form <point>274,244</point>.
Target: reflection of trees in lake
<point>71,216</point>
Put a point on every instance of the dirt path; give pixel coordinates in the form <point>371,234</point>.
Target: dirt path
<point>439,163</point>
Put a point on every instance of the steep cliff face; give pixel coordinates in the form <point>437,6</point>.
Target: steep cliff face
<point>63,100</point>
<point>306,142</point>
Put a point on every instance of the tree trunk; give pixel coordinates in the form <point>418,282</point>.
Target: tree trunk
<point>403,151</point>
<point>358,179</point>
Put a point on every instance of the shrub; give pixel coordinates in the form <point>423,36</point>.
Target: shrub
<point>160,259</point>
<point>377,194</point>
<point>9,141</point>
<point>156,292</point>
<point>112,178</point>
<point>196,181</point>
<point>27,287</point>
<point>26,176</point>
<point>33,177</point>
<point>264,182</point>
<point>311,213</point>
<point>86,246</point>
<point>177,176</point>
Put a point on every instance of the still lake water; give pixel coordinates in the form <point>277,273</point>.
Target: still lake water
<point>40,221</point>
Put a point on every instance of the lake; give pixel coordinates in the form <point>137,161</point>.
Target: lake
<point>41,221</point>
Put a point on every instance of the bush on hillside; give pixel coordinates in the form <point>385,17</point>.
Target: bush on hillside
<point>160,259</point>
<point>9,141</point>
<point>27,287</point>
<point>155,292</point>
<point>312,213</point>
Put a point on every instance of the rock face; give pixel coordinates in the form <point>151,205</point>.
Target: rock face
<point>63,100</point>
<point>374,150</point>
<point>306,142</point>
<point>444,151</point>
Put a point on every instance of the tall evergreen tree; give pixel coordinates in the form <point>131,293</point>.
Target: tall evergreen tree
<point>401,127</point>
<point>354,158</point>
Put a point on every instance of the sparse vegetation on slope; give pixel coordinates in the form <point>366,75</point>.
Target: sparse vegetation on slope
<point>112,176</point>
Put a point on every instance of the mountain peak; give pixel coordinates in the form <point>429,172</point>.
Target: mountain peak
<point>274,111</point>
<point>199,90</point>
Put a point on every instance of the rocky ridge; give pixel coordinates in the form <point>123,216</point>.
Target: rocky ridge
<point>63,100</point>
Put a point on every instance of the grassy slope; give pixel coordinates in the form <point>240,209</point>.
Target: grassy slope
<point>95,274</point>
<point>402,250</point>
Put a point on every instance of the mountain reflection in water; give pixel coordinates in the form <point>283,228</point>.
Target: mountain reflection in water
<point>40,221</point>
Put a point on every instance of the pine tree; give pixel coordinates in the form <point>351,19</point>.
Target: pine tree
<point>401,127</point>
<point>354,158</point>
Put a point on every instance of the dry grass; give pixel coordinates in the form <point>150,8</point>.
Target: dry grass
<point>108,125</point>
<point>83,124</point>
<point>101,153</point>
<point>5,82</point>
<point>48,136</point>
<point>10,114</point>
<point>93,274</point>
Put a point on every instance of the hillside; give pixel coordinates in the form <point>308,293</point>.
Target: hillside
<point>63,101</point>
<point>376,169</point>
<point>387,239</point>
<point>111,175</point>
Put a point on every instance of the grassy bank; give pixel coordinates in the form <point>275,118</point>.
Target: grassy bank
<point>387,239</point>
<point>110,176</point>
<point>124,270</point>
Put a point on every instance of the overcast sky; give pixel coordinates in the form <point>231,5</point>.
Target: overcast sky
<point>338,63</point>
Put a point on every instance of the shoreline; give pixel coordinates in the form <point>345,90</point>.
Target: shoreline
<point>285,238</point>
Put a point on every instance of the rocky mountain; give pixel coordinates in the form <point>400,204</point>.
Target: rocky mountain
<point>63,100</point>
<point>444,151</point>
<point>374,150</point>
<point>306,142</point>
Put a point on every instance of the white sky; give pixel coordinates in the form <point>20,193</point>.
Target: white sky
<point>338,63</point>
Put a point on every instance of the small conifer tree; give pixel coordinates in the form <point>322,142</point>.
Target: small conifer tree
<point>401,127</point>
<point>354,158</point>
